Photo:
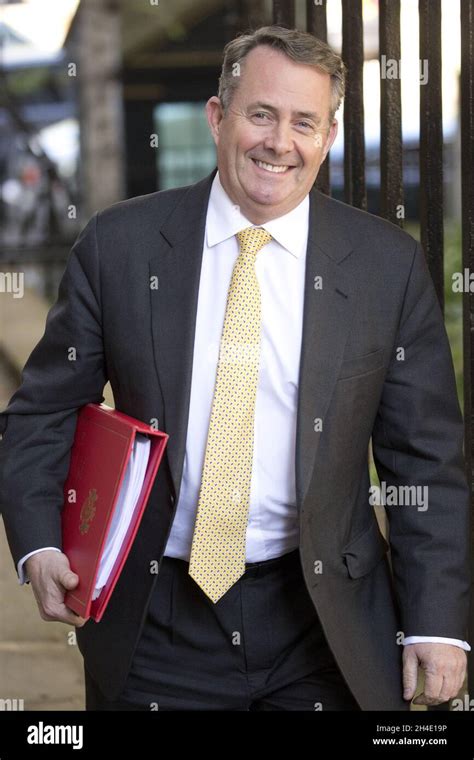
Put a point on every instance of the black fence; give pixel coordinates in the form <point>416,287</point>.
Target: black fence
<point>391,150</point>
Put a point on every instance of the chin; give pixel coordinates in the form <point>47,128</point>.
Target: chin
<point>262,196</point>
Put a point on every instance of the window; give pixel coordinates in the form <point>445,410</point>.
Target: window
<point>186,151</point>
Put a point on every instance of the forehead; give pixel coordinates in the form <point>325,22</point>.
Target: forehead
<point>269,75</point>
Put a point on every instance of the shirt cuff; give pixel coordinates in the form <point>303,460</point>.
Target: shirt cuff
<point>22,575</point>
<point>437,640</point>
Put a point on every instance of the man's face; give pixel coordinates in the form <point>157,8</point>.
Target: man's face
<point>275,134</point>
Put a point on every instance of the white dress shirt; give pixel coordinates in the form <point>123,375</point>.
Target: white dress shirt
<point>273,526</point>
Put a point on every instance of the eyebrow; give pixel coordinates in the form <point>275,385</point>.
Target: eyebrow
<point>299,114</point>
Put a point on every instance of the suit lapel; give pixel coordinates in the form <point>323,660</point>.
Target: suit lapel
<point>327,316</point>
<point>173,314</point>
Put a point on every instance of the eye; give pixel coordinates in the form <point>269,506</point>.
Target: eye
<point>260,115</point>
<point>305,125</point>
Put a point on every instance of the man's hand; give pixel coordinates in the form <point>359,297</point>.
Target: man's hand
<point>445,669</point>
<point>50,577</point>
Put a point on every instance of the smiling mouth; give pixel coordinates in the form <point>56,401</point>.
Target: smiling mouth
<point>272,168</point>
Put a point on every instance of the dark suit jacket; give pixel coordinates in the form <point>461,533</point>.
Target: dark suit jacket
<point>376,295</point>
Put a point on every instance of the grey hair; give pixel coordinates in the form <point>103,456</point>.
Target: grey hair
<point>301,47</point>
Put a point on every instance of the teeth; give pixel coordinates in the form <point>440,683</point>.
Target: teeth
<point>271,167</point>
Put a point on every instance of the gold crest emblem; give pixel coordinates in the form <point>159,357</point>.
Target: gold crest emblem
<point>88,511</point>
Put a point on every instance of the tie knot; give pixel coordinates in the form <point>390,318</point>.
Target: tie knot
<point>252,239</point>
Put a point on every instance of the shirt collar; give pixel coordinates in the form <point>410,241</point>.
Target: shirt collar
<point>224,220</point>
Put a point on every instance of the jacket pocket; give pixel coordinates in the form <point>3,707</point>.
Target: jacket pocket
<point>360,365</point>
<point>363,553</point>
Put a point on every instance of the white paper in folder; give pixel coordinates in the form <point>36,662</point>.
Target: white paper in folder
<point>126,504</point>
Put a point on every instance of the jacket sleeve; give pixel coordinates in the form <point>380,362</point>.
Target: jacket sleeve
<point>65,371</point>
<point>418,441</point>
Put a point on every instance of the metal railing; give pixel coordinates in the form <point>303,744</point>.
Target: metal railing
<point>391,150</point>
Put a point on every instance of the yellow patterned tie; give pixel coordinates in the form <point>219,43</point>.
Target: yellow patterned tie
<point>218,549</point>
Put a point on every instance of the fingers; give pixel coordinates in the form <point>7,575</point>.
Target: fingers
<point>437,691</point>
<point>62,614</point>
<point>410,673</point>
<point>68,579</point>
<point>432,690</point>
<point>52,607</point>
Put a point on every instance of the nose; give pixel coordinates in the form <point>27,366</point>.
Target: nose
<point>279,139</point>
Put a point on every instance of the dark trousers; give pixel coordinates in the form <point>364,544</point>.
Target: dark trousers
<point>261,647</point>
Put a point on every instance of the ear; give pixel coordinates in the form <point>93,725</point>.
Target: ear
<point>330,138</point>
<point>215,114</point>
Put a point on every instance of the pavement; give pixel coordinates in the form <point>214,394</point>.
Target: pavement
<point>40,664</point>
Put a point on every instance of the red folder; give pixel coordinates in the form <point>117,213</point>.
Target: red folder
<point>101,450</point>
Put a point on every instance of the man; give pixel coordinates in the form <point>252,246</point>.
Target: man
<point>287,329</point>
